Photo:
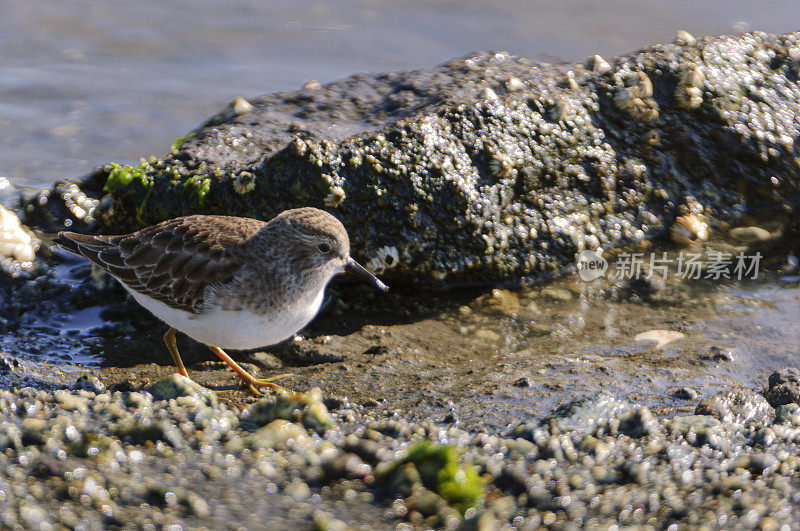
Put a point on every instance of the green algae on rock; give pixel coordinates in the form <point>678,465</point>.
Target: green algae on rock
<point>437,468</point>
<point>493,167</point>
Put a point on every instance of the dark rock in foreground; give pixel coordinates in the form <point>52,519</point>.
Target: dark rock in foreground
<point>492,166</point>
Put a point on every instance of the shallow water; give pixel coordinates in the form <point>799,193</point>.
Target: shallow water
<point>84,83</point>
<point>483,356</point>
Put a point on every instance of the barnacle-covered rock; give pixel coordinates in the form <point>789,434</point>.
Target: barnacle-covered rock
<point>473,176</point>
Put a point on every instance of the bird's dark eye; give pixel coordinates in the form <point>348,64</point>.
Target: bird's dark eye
<point>324,248</point>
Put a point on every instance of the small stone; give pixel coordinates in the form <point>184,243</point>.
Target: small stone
<point>487,335</point>
<point>273,435</point>
<point>304,408</point>
<point>558,294</point>
<point>240,106</point>
<point>266,361</point>
<point>638,423</point>
<point>662,338</point>
<point>719,353</point>
<point>125,386</point>
<point>504,301</point>
<point>325,522</point>
<point>298,490</point>
<point>685,393</point>
<point>523,382</point>
<point>684,37</point>
<point>750,235</point>
<point>176,385</point>
<point>90,382</point>
<point>70,402</point>
<point>783,387</point>
<point>788,413</point>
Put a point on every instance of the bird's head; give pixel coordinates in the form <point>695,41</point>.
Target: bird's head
<point>318,242</point>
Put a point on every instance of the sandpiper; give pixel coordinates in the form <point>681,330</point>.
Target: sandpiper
<point>228,282</point>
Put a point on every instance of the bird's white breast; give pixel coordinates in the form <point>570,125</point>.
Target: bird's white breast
<point>238,329</point>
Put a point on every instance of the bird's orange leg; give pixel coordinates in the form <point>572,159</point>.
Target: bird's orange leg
<point>249,381</point>
<point>169,339</point>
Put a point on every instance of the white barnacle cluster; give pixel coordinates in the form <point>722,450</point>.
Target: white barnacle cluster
<point>689,92</point>
<point>15,242</point>
<point>635,97</point>
<point>385,258</point>
<point>244,183</point>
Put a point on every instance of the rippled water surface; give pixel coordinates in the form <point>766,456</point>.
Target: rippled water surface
<point>84,83</point>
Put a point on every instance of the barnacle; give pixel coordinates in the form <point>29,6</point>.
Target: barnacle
<point>639,83</point>
<point>684,37</point>
<point>688,93</point>
<point>514,84</point>
<point>688,97</point>
<point>385,258</point>
<point>335,197</point>
<point>561,109</point>
<point>244,182</point>
<point>689,229</point>
<point>501,165</point>
<point>692,75</point>
<point>599,65</point>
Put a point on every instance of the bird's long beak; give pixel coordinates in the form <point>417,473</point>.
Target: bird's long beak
<point>354,267</point>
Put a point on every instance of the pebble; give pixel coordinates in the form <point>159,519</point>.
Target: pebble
<point>719,353</point>
<point>558,294</point>
<point>662,338</point>
<point>266,361</point>
<point>750,235</point>
<point>164,456</point>
<point>783,387</point>
<point>486,334</point>
<point>685,393</point>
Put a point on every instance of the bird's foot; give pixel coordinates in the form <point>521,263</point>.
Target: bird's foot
<point>252,384</point>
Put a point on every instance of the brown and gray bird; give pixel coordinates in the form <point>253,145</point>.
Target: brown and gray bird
<point>228,282</point>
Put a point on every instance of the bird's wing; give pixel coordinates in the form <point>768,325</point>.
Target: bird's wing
<point>172,262</point>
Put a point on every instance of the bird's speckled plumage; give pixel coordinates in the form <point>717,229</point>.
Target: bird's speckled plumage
<point>184,261</point>
<point>225,281</point>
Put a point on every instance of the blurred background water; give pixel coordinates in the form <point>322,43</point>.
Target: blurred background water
<point>86,82</point>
